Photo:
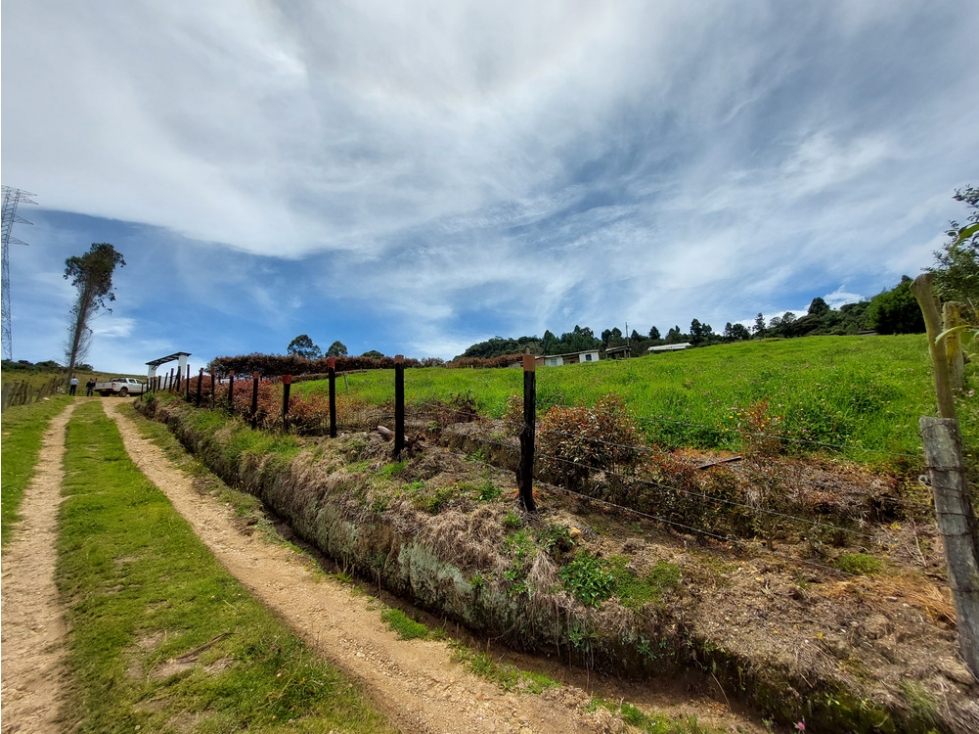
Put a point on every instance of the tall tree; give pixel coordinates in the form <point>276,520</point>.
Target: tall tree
<point>957,268</point>
<point>818,307</point>
<point>896,311</point>
<point>91,274</point>
<point>654,333</point>
<point>759,326</point>
<point>337,349</point>
<point>302,346</point>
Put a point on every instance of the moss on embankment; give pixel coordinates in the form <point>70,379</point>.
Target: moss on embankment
<point>495,572</point>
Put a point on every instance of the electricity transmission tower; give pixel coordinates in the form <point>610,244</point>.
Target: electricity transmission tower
<point>11,198</point>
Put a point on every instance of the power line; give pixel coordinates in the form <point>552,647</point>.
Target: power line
<point>11,198</point>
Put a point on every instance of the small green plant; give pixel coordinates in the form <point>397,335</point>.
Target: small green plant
<point>556,540</point>
<point>394,469</point>
<point>587,579</point>
<point>405,626</point>
<point>487,492</point>
<point>512,520</point>
<point>477,457</point>
<point>434,503</point>
<point>862,564</point>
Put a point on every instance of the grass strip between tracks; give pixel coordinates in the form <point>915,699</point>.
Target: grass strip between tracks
<point>162,638</point>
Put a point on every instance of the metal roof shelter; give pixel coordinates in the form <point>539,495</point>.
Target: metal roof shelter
<point>182,356</point>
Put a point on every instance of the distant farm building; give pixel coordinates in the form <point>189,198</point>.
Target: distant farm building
<point>621,352</point>
<point>669,348</point>
<point>556,360</point>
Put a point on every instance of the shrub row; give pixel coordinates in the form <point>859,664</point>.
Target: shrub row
<point>268,365</point>
<point>506,360</point>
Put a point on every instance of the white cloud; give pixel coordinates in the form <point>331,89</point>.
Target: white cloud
<point>530,163</point>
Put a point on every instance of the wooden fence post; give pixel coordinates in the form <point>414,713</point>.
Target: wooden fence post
<point>255,377</point>
<point>921,288</point>
<point>957,523</point>
<point>213,386</point>
<point>286,384</point>
<point>200,386</point>
<point>399,406</point>
<point>170,381</point>
<point>953,501</point>
<point>188,383</point>
<point>952,317</point>
<point>332,363</point>
<point>525,469</point>
<point>231,391</point>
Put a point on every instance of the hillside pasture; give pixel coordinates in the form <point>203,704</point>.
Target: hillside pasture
<point>858,396</point>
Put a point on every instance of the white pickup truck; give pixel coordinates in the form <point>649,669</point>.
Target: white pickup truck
<point>121,386</point>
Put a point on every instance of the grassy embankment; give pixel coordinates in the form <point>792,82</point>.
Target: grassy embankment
<point>863,393</point>
<point>162,638</point>
<point>23,428</point>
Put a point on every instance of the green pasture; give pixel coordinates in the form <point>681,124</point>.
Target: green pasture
<point>863,394</point>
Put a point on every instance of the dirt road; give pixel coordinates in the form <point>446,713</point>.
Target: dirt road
<point>33,624</point>
<point>416,683</point>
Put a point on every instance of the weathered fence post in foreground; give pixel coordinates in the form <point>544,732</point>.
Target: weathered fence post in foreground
<point>286,385</point>
<point>231,390</point>
<point>213,386</point>
<point>399,406</point>
<point>960,534</point>
<point>200,386</point>
<point>170,381</point>
<point>953,501</point>
<point>525,469</point>
<point>332,363</point>
<point>254,400</point>
<point>188,383</point>
<point>952,317</point>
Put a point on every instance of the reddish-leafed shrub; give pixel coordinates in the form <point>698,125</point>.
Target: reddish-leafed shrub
<point>573,442</point>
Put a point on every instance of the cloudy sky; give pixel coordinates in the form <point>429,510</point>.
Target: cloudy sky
<point>414,177</point>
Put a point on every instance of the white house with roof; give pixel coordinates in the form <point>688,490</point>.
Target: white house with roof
<point>669,348</point>
<point>556,360</point>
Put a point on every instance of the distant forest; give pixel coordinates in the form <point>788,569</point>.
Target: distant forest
<point>893,311</point>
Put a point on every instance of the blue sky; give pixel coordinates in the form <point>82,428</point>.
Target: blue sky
<point>415,177</point>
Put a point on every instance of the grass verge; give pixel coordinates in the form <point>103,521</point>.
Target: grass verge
<point>23,427</point>
<point>162,638</point>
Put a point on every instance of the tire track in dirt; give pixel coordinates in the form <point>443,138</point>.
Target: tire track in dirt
<point>33,621</point>
<point>414,682</point>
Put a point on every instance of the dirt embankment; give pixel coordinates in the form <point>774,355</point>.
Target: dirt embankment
<point>800,642</point>
<point>416,683</point>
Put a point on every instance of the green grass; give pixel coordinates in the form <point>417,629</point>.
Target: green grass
<point>864,393</point>
<point>23,427</point>
<point>653,724</point>
<point>634,590</point>
<point>860,564</point>
<point>405,626</point>
<point>141,590</point>
<point>506,676</point>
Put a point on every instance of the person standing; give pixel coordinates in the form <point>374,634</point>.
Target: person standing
<point>90,387</point>
<point>72,385</point>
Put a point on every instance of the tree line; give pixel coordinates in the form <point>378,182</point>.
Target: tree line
<point>893,311</point>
